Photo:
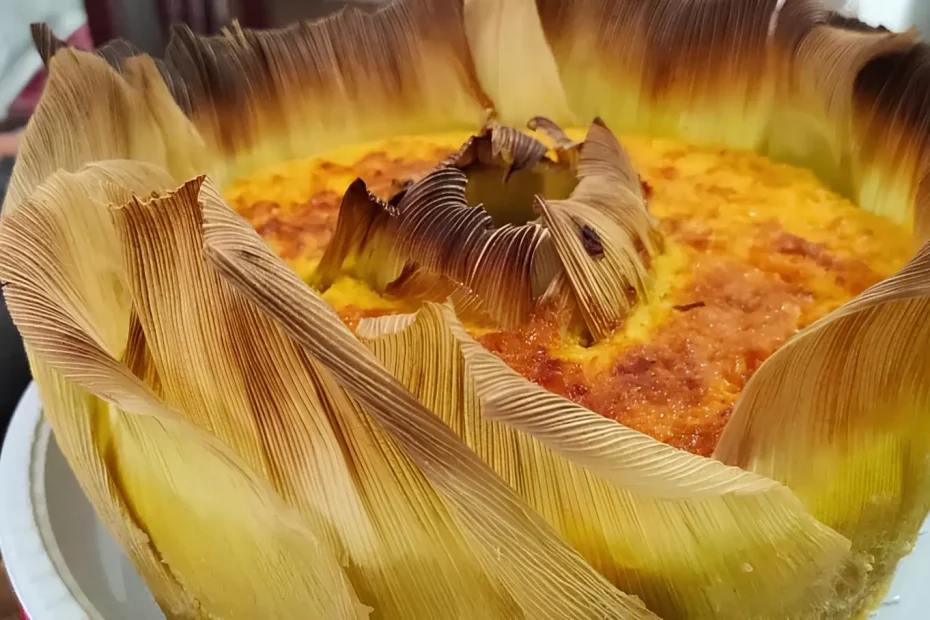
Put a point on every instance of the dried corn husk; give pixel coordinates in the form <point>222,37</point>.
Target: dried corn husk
<point>257,460</point>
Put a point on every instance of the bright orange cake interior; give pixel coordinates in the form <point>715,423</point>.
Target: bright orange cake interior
<point>754,251</point>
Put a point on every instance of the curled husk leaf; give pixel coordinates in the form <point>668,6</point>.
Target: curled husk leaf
<point>841,414</point>
<point>433,230</point>
<point>321,476</point>
<point>115,412</point>
<point>603,233</point>
<point>818,57</point>
<point>892,141</point>
<point>661,67</point>
<point>458,223</point>
<point>646,515</point>
<point>157,357</point>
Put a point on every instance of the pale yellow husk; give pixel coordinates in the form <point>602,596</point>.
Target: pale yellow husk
<point>256,460</point>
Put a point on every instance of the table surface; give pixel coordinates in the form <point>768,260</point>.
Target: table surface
<point>8,607</point>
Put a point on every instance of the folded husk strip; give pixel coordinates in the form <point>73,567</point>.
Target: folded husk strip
<point>603,233</point>
<point>510,539</point>
<point>817,59</point>
<point>114,416</point>
<point>841,414</point>
<point>315,477</point>
<point>363,242</point>
<point>889,98</point>
<point>892,141</point>
<point>648,516</point>
<point>499,29</point>
<point>260,97</point>
<point>546,125</point>
<point>263,96</point>
<point>433,229</point>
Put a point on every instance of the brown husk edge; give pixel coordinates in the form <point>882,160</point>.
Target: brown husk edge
<point>654,519</point>
<point>892,119</point>
<point>853,103</point>
<point>261,97</point>
<point>788,79</point>
<point>172,408</point>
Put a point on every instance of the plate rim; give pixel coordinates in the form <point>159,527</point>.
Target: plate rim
<point>41,579</point>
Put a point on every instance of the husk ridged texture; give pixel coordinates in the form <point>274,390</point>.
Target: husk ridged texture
<point>256,459</point>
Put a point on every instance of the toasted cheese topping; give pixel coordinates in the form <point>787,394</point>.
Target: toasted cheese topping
<point>755,251</point>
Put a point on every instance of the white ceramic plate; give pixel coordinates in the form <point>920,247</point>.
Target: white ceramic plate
<point>65,566</point>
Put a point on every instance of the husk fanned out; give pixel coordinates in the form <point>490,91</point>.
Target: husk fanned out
<point>818,56</point>
<point>465,223</point>
<point>841,414</point>
<point>608,207</point>
<point>663,67</point>
<point>157,357</point>
<point>650,517</point>
<point>309,492</point>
